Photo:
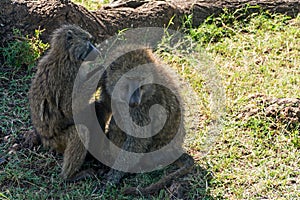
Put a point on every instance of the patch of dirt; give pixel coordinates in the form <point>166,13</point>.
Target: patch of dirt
<point>280,110</point>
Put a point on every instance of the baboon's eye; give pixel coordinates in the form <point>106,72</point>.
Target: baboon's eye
<point>69,35</point>
<point>85,39</point>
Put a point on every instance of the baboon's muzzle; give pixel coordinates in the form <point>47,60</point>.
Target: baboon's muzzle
<point>135,99</point>
<point>92,53</point>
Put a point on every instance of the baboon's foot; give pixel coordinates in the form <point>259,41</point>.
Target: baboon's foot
<point>31,139</point>
<point>88,173</point>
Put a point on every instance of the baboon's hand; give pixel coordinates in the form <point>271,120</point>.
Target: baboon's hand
<point>114,177</point>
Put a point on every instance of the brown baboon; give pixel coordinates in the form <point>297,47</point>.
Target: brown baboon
<point>138,92</point>
<point>50,95</point>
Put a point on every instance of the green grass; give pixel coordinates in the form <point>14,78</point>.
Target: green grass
<point>254,157</point>
<point>23,51</point>
<point>91,4</point>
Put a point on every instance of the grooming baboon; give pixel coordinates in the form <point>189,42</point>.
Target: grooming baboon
<point>141,97</point>
<point>50,95</point>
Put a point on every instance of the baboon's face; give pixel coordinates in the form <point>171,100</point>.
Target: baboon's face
<point>76,42</point>
<point>80,46</point>
<point>132,88</point>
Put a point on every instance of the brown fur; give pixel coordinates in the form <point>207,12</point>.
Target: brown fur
<point>50,96</point>
<point>153,94</point>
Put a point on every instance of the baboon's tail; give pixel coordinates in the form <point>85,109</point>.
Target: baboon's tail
<point>185,159</point>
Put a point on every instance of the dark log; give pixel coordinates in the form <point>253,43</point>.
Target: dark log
<point>28,15</point>
<point>158,13</point>
<point>49,15</point>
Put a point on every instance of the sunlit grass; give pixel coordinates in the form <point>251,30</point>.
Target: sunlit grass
<point>91,4</point>
<point>260,56</point>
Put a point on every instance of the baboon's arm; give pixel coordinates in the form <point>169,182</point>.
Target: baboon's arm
<point>131,145</point>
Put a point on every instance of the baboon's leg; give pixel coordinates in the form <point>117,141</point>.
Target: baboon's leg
<point>185,162</point>
<point>74,154</point>
<point>131,144</point>
<point>115,176</point>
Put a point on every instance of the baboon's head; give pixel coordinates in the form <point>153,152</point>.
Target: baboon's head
<point>135,88</point>
<point>73,42</point>
<point>128,77</point>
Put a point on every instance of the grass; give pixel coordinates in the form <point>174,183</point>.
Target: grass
<point>23,51</point>
<point>91,4</point>
<point>250,160</point>
<point>255,157</point>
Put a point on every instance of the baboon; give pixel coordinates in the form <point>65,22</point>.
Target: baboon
<point>50,95</point>
<point>137,91</point>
